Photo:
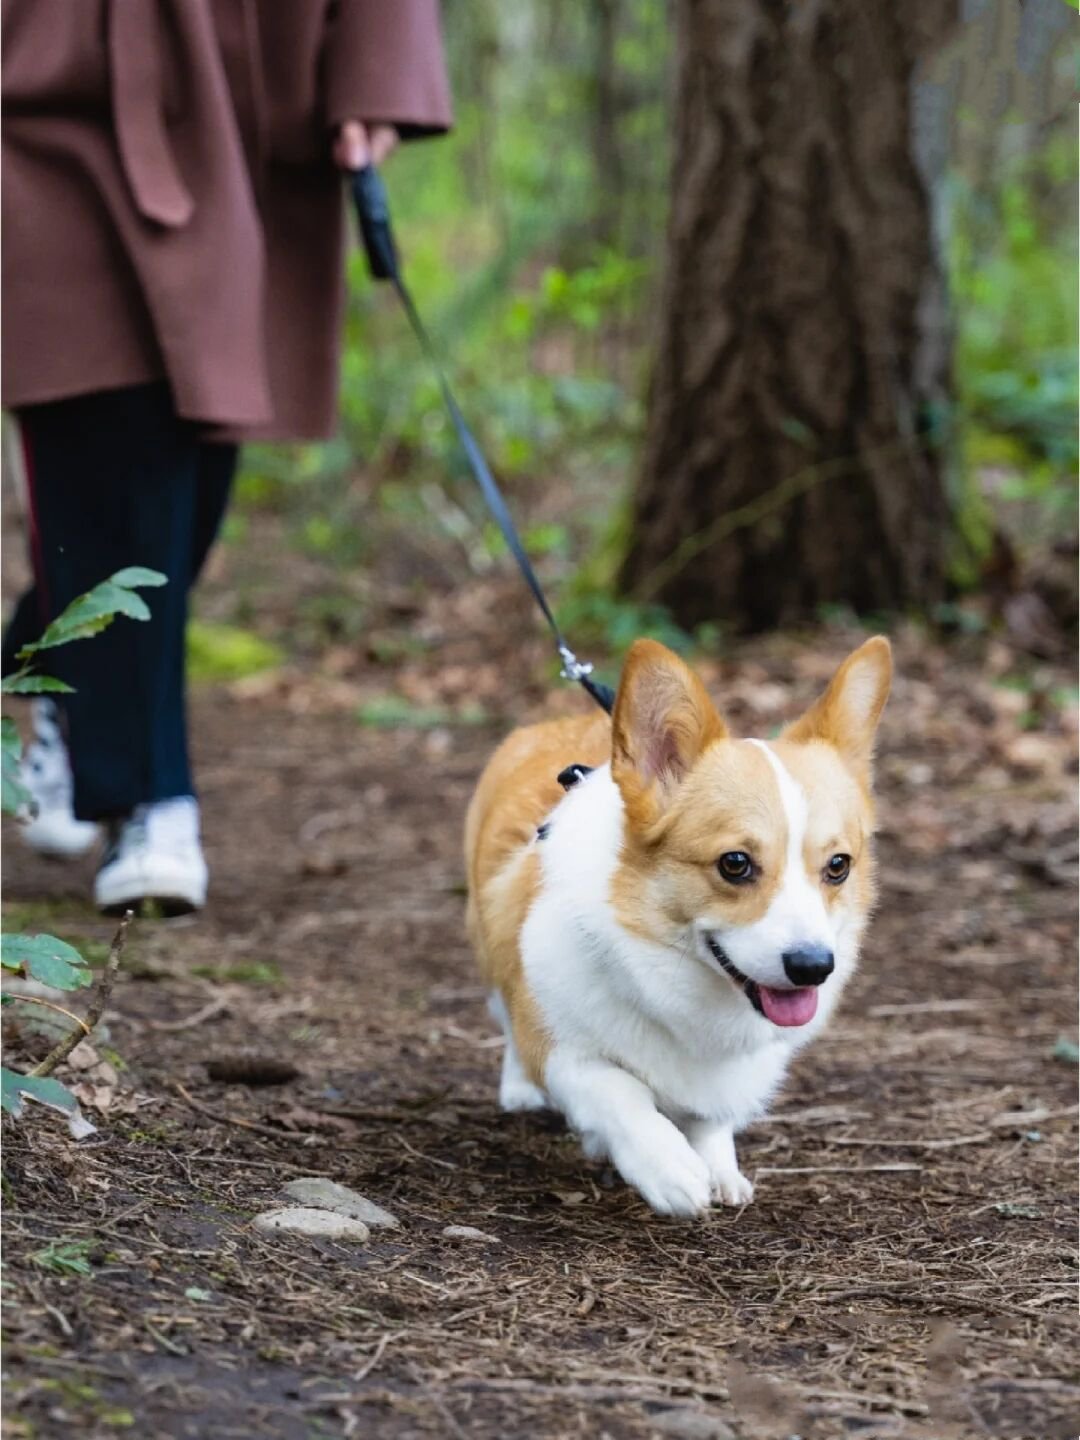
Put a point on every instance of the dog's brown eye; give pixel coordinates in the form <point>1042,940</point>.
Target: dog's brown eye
<point>736,866</point>
<point>838,869</point>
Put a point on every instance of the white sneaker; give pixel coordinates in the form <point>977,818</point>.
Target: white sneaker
<point>46,773</point>
<point>154,855</point>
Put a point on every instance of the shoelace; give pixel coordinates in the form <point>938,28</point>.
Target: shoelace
<point>46,721</point>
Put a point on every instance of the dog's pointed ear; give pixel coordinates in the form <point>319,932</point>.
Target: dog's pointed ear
<point>663,720</point>
<point>846,716</point>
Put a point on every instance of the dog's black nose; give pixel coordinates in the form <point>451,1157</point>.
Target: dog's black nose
<point>808,965</point>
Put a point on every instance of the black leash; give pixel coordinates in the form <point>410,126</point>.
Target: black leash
<point>373,212</point>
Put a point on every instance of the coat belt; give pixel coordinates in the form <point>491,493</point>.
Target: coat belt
<point>135,63</point>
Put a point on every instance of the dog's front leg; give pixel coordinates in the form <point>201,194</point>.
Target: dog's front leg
<point>614,1112</point>
<point>715,1143</point>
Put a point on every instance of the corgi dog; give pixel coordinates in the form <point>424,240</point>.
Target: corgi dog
<point>663,935</point>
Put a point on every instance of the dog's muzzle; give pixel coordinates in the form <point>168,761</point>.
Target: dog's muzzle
<point>750,988</point>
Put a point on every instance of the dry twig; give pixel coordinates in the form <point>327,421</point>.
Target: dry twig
<point>64,1048</point>
<point>51,1005</point>
<point>238,1120</point>
<point>217,1006</point>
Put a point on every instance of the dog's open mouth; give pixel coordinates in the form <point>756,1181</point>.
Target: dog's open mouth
<point>782,1007</point>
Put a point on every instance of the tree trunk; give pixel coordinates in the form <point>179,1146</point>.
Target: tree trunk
<point>803,349</point>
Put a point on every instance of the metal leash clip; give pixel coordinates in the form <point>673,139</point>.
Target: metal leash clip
<point>573,668</point>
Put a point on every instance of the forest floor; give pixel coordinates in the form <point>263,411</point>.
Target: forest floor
<point>908,1267</point>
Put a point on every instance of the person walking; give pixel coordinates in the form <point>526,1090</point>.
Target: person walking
<point>172,285</point>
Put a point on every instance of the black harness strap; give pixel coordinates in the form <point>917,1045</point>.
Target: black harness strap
<point>573,775</point>
<point>373,212</point>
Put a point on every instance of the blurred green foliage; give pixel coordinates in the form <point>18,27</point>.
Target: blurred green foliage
<point>394,712</point>
<point>226,652</point>
<point>1013,266</point>
<point>530,239</point>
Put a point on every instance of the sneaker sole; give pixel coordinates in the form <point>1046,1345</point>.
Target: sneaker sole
<point>152,890</point>
<point>153,907</point>
<point>51,848</point>
<point>56,856</point>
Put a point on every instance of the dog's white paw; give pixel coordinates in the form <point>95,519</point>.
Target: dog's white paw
<point>732,1188</point>
<point>517,1093</point>
<point>668,1174</point>
<point>716,1147</point>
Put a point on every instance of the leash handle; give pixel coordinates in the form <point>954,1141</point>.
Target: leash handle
<point>373,212</point>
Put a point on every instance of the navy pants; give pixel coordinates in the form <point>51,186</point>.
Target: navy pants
<point>116,479</point>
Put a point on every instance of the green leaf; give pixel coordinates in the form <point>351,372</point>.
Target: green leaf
<point>35,685</point>
<point>15,796</point>
<point>10,739</point>
<point>66,1257</point>
<point>135,575</point>
<point>89,614</point>
<point>50,970</point>
<point>42,1088</point>
<point>1066,1050</point>
<point>195,1292</point>
<point>54,636</point>
<point>46,1091</point>
<point>54,962</point>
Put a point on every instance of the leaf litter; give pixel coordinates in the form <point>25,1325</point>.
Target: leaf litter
<point>908,1268</point>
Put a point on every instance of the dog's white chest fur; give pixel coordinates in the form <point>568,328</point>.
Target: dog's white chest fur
<point>663,1016</point>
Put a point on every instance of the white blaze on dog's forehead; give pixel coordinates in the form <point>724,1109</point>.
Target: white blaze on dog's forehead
<point>796,914</point>
<point>798,910</point>
<point>793,799</point>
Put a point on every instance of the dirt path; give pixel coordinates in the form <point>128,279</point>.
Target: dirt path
<point>908,1268</point>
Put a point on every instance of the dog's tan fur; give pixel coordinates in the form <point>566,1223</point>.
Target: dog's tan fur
<point>517,790</point>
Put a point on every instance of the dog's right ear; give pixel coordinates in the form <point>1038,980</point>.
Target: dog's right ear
<point>847,715</point>
<point>663,720</point>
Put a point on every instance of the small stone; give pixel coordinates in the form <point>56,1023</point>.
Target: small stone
<point>318,1224</point>
<point>919,774</point>
<point>329,1195</point>
<point>691,1425</point>
<point>469,1232</point>
<point>324,863</point>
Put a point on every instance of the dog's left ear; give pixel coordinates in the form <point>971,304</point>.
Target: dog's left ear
<point>663,720</point>
<point>847,715</point>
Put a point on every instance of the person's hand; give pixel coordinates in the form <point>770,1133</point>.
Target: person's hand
<point>357,144</point>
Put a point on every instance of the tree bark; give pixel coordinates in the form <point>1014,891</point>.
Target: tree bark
<point>803,354</point>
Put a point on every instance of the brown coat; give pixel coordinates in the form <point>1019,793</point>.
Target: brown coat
<point>170,208</point>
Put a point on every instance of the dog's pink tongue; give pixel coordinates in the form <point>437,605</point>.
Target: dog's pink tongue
<point>789,1007</point>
